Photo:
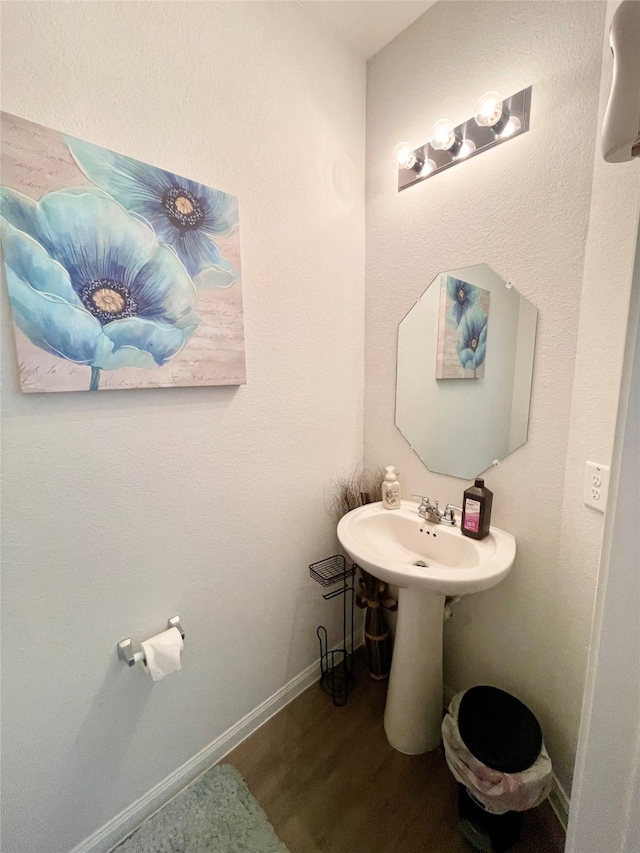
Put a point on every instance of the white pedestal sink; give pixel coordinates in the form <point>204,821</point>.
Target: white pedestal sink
<point>390,544</point>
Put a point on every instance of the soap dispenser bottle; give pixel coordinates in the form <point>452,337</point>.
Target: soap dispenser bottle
<point>391,489</point>
<point>476,510</point>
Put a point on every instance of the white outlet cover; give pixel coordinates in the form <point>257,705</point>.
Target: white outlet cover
<point>596,485</point>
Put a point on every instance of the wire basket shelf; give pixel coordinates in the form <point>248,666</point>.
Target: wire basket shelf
<point>331,570</point>
<point>336,665</point>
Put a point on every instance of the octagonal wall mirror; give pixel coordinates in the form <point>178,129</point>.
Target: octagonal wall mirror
<point>464,371</point>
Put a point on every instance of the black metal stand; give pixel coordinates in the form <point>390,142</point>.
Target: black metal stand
<point>336,666</point>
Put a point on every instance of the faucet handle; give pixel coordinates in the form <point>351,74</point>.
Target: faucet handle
<point>450,513</point>
<point>424,501</point>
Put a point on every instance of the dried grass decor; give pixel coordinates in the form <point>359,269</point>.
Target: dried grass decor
<point>349,492</point>
<point>356,489</point>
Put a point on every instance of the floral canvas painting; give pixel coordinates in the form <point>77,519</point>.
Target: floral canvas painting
<point>462,329</point>
<point>120,274</point>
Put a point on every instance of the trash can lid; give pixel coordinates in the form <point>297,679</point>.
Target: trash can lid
<point>498,729</point>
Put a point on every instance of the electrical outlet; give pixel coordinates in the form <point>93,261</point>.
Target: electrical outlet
<point>596,485</point>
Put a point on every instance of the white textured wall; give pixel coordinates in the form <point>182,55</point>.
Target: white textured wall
<point>600,354</point>
<point>523,208</point>
<point>605,811</point>
<point>605,803</point>
<point>122,509</point>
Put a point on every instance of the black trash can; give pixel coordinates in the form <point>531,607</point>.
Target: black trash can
<point>493,833</point>
<point>503,734</point>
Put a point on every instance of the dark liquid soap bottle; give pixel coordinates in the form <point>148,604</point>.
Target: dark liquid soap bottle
<point>476,510</point>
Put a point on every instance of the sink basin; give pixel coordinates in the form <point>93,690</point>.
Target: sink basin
<point>427,562</point>
<point>390,544</point>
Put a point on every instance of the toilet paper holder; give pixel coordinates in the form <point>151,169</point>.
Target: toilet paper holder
<point>125,647</point>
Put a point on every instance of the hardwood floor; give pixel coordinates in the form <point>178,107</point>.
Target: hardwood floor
<point>329,781</point>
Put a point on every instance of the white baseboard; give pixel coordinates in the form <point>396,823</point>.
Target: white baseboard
<point>559,802</point>
<point>123,824</point>
<point>557,796</point>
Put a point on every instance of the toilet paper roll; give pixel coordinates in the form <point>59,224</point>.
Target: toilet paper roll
<point>162,653</point>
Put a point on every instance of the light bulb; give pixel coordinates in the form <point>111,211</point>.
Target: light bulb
<point>488,110</point>
<point>468,147</point>
<point>404,156</point>
<point>442,135</point>
<point>511,126</point>
<point>427,167</point>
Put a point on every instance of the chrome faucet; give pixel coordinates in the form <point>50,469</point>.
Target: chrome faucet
<point>432,512</point>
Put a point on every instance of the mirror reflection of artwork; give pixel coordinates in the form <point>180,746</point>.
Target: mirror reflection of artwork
<point>462,428</point>
<point>462,329</point>
<point>120,274</point>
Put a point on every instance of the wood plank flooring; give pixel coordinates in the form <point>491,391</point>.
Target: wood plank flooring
<point>329,781</point>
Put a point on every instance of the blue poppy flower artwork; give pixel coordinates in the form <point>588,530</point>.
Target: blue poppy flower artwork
<point>185,215</point>
<point>472,339</point>
<point>462,330</point>
<point>107,292</point>
<point>462,295</point>
<point>91,284</point>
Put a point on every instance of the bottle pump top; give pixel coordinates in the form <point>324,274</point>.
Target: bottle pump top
<point>391,474</point>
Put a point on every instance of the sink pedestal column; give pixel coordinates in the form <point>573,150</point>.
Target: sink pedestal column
<point>413,713</point>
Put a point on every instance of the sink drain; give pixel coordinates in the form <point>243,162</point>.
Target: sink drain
<point>421,564</point>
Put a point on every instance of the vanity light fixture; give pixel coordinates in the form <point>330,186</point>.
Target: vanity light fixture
<point>443,137</point>
<point>467,147</point>
<point>492,112</point>
<point>511,126</point>
<point>404,156</point>
<point>495,120</point>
